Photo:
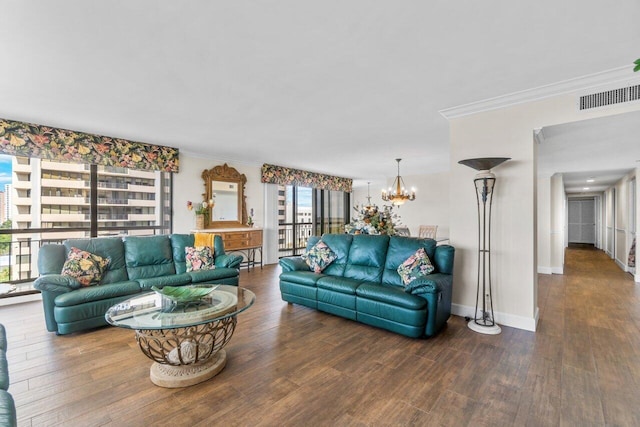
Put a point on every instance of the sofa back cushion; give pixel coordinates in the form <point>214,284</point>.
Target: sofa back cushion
<point>148,256</point>
<point>339,244</point>
<point>401,248</point>
<point>367,256</point>
<point>51,258</point>
<point>105,247</point>
<point>178,244</point>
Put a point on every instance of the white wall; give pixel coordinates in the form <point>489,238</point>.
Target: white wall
<point>621,222</point>
<point>558,237</point>
<point>506,132</point>
<point>624,239</point>
<point>544,225</point>
<point>551,213</point>
<point>188,185</point>
<point>637,273</point>
<point>431,206</point>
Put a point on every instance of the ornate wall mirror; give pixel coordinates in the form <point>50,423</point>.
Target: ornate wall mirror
<point>224,186</point>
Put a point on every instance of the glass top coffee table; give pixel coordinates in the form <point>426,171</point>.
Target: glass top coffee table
<point>183,335</point>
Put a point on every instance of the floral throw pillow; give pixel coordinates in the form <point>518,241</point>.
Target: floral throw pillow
<point>199,258</point>
<point>85,267</point>
<point>319,256</point>
<point>414,267</point>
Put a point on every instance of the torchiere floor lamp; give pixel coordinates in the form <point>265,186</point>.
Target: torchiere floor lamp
<point>483,320</point>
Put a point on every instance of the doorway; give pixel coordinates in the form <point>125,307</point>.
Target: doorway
<point>582,220</point>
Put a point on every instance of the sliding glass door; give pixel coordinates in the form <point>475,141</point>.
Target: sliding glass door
<point>303,212</point>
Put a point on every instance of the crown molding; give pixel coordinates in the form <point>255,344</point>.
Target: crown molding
<point>538,93</point>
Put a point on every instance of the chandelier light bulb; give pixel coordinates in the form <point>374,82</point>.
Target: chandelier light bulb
<point>400,195</point>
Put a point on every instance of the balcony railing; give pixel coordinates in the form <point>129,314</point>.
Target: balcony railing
<point>19,255</point>
<point>292,239</point>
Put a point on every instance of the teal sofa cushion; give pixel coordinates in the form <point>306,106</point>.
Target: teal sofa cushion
<point>339,244</point>
<point>178,244</point>
<point>106,247</point>
<point>51,258</point>
<point>7,409</point>
<point>203,276</point>
<point>401,248</point>
<point>148,256</point>
<point>96,293</point>
<point>308,278</point>
<point>367,257</point>
<point>170,280</point>
<point>393,295</point>
<point>4,371</point>
<point>342,285</point>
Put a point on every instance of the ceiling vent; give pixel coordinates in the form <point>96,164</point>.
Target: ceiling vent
<point>609,97</point>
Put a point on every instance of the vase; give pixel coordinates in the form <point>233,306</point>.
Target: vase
<point>199,222</point>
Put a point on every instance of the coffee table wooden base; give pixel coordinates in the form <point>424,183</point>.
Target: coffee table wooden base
<point>170,376</point>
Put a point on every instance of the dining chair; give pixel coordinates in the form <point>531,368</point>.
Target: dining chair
<point>428,231</point>
<point>403,231</point>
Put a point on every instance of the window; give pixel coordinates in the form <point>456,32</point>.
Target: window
<point>304,212</point>
<point>69,200</point>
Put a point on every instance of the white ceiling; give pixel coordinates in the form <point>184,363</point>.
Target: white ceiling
<point>603,149</point>
<point>341,87</point>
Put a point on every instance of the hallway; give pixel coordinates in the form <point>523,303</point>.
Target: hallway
<point>593,313</point>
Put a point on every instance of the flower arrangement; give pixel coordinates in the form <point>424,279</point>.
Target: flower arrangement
<point>250,219</point>
<point>203,208</point>
<point>373,220</point>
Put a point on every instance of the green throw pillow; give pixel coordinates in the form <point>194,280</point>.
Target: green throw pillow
<point>85,267</point>
<point>414,267</point>
<point>199,258</point>
<point>319,257</point>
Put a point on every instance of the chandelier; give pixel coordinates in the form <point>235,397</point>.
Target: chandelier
<point>400,194</point>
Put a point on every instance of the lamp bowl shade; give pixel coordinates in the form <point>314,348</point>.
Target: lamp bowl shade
<point>484,163</point>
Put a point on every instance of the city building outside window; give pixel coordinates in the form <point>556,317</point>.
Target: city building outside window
<point>304,212</point>
<point>48,202</point>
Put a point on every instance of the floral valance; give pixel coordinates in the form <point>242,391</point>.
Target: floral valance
<point>286,176</point>
<point>30,140</point>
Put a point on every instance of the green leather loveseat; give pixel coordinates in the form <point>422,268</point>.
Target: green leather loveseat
<point>363,283</point>
<point>136,264</point>
<point>7,405</point>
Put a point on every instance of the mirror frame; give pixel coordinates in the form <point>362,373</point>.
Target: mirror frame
<point>225,173</point>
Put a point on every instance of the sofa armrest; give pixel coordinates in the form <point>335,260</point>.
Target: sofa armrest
<point>443,259</point>
<point>436,289</point>
<point>56,283</point>
<point>294,263</point>
<point>228,260</point>
<point>430,284</point>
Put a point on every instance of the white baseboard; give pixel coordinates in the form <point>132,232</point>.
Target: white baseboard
<point>550,270</point>
<point>622,265</point>
<point>506,319</point>
<point>637,278</point>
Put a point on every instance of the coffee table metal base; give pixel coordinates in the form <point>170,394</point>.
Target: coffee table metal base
<point>189,355</point>
<point>171,376</point>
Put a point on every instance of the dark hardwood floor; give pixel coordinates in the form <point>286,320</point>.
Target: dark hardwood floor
<point>292,366</point>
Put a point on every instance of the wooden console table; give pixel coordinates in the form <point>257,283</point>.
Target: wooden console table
<point>244,240</point>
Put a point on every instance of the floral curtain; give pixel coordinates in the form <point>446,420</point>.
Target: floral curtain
<point>286,176</point>
<point>30,140</point>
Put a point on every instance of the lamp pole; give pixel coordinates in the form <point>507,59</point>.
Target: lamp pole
<point>484,183</point>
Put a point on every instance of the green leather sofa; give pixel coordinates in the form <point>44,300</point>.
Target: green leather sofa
<point>7,405</point>
<point>136,264</point>
<point>363,284</point>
